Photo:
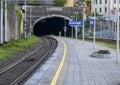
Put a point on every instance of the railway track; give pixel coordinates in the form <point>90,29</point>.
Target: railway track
<point>14,73</point>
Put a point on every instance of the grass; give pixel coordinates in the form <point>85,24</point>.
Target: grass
<point>103,42</point>
<point>107,44</point>
<point>15,46</point>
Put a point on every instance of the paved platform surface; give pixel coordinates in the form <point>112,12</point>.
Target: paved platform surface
<point>46,72</point>
<point>79,67</point>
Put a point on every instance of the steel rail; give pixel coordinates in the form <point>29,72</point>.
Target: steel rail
<point>38,63</point>
<point>20,60</point>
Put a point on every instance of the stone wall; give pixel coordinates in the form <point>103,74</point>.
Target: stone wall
<point>11,30</point>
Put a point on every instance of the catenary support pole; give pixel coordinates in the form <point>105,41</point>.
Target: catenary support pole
<point>83,28</point>
<point>25,28</point>
<point>83,19</point>
<point>1,22</point>
<point>6,24</point>
<point>29,34</point>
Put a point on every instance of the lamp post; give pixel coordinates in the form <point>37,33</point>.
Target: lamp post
<point>94,26</point>
<point>117,45</point>
<point>83,19</point>
<point>65,27</point>
<point>83,28</point>
<point>1,22</point>
<point>72,28</point>
<point>76,13</point>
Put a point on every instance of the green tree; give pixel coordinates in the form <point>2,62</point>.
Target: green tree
<point>59,2</point>
<point>88,3</point>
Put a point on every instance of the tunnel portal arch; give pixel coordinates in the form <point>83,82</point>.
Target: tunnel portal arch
<point>52,24</point>
<point>50,16</point>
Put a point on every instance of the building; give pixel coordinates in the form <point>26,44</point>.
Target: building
<point>88,7</point>
<point>103,7</point>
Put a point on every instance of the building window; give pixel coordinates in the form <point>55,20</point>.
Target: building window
<point>114,1</point>
<point>100,1</point>
<point>119,9</point>
<point>96,1</point>
<point>100,10</point>
<point>105,9</point>
<point>105,1</point>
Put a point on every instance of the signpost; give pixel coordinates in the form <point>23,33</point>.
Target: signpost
<point>75,24</point>
<point>91,22</point>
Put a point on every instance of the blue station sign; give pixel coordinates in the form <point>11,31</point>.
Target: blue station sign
<point>75,23</point>
<point>91,22</point>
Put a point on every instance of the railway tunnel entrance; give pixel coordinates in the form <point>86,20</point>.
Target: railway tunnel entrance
<point>52,25</point>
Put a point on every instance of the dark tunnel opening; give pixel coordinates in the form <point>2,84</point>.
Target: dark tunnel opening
<point>52,25</point>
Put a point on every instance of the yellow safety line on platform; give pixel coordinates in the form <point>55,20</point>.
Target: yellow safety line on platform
<point>55,78</point>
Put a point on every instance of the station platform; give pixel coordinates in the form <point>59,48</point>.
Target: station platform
<point>72,64</point>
